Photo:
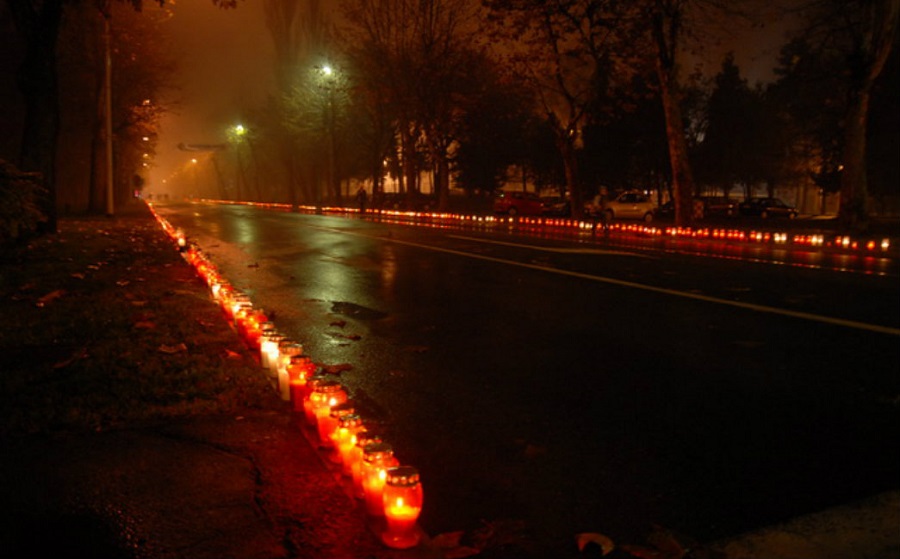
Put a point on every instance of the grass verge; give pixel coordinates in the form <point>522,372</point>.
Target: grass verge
<point>104,324</point>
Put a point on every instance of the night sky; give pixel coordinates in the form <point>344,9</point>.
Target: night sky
<point>225,59</point>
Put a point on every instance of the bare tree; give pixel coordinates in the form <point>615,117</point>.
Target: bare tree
<point>667,29</point>
<point>413,57</point>
<point>300,34</point>
<point>565,51</point>
<point>864,32</point>
<point>38,21</point>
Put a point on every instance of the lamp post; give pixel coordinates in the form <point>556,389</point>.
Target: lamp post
<point>329,75</point>
<point>107,91</point>
<point>237,133</point>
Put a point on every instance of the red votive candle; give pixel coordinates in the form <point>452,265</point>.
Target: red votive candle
<point>402,500</point>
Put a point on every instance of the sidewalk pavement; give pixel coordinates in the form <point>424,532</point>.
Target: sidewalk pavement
<point>195,483</point>
<point>253,486</point>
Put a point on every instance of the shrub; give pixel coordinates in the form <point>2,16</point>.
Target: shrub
<point>20,194</point>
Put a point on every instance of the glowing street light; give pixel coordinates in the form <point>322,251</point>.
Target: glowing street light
<point>329,75</point>
<point>236,135</point>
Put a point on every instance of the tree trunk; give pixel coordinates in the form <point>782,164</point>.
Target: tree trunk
<point>39,85</point>
<point>570,166</point>
<point>853,212</point>
<point>879,36</point>
<point>666,28</point>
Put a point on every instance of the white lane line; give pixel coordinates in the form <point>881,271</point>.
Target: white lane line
<point>630,284</point>
<point>553,249</point>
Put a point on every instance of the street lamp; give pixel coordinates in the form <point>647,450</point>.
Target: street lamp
<point>329,76</point>
<point>237,133</point>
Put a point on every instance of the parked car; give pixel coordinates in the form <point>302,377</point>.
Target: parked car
<point>631,205</point>
<point>767,207</point>
<point>719,205</point>
<point>518,203</point>
<point>557,207</point>
<point>404,201</point>
<point>666,210</point>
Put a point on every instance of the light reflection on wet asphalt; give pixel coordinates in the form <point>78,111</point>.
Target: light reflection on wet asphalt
<point>518,391</point>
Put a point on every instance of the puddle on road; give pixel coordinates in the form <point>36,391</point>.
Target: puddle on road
<point>356,311</point>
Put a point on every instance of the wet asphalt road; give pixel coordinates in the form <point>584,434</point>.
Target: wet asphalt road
<point>587,385</point>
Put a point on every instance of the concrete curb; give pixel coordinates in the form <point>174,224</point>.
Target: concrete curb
<point>868,529</point>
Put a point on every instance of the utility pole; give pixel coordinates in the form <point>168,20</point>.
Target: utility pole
<point>107,91</point>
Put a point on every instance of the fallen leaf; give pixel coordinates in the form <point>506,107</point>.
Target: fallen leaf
<point>78,275</point>
<point>79,354</point>
<point>337,369</point>
<point>338,323</point>
<point>585,538</point>
<point>231,354</point>
<point>146,324</point>
<point>50,297</point>
<point>122,283</point>
<point>450,546</point>
<point>172,349</point>
<point>254,265</point>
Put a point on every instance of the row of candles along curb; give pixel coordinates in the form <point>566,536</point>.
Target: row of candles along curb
<point>844,242</point>
<point>392,492</point>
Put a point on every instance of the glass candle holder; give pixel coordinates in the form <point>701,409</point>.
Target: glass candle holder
<point>326,394</point>
<point>364,438</point>
<point>237,299</point>
<point>377,458</point>
<point>266,339</point>
<point>344,438</point>
<point>253,327</point>
<point>300,370</point>
<point>310,389</point>
<point>327,424</point>
<point>286,350</point>
<point>274,353</point>
<point>226,292</point>
<point>241,313</point>
<point>402,501</point>
<point>219,289</point>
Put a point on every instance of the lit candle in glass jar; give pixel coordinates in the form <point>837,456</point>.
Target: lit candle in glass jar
<point>327,422</point>
<point>241,316</point>
<point>237,299</point>
<point>363,439</point>
<point>402,500</point>
<point>326,394</point>
<point>344,438</point>
<point>266,339</point>
<point>300,370</point>
<point>226,293</point>
<point>218,289</point>
<point>308,404</point>
<point>273,354</point>
<point>377,458</point>
<point>254,324</point>
<point>286,350</point>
